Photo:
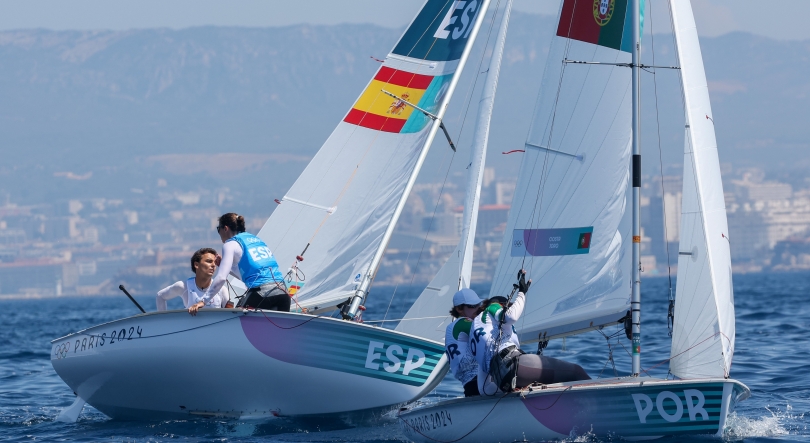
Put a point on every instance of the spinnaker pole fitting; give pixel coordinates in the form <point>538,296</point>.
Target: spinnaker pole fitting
<point>359,297</point>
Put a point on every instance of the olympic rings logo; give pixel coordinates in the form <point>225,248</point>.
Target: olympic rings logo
<point>61,351</point>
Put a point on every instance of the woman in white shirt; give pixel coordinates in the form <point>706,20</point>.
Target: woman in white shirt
<point>203,264</point>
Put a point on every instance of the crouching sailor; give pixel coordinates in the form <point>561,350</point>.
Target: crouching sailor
<point>248,258</point>
<point>502,365</point>
<point>203,264</point>
<point>466,306</point>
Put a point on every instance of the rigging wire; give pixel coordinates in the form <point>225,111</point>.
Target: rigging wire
<point>468,99</point>
<point>671,308</point>
<point>424,240</point>
<point>687,141</point>
<point>350,179</point>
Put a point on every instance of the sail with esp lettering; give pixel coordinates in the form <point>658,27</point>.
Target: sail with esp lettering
<point>336,212</point>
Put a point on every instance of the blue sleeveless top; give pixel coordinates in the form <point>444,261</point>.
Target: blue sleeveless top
<point>257,265</point>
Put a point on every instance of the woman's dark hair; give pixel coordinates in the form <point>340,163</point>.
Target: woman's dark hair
<point>481,308</point>
<point>197,257</point>
<point>235,222</point>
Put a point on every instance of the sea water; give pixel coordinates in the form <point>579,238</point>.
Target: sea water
<point>772,357</point>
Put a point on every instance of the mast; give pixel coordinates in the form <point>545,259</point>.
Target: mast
<point>479,153</point>
<point>421,319</point>
<point>635,303</point>
<point>362,289</point>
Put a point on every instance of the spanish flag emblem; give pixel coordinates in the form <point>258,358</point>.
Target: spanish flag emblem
<point>379,111</point>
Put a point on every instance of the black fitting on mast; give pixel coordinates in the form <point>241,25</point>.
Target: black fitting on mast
<point>636,171</point>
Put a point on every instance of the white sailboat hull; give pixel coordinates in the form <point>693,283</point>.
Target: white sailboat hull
<point>631,408</point>
<point>227,362</point>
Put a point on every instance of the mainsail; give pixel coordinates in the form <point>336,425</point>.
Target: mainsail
<point>425,318</point>
<point>703,333</point>
<point>568,226</point>
<point>336,213</point>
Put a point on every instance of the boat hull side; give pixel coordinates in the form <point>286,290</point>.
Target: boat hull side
<point>231,363</point>
<point>621,409</point>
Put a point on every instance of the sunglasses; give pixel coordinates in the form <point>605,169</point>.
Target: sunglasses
<point>219,227</point>
<point>470,306</point>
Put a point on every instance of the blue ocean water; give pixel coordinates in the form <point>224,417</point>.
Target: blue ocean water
<point>772,357</point>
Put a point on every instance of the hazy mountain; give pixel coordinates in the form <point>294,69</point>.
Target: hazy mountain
<point>107,101</point>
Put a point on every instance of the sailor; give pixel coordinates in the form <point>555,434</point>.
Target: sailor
<point>466,306</point>
<point>494,329</point>
<point>203,264</point>
<point>248,258</point>
<point>502,365</point>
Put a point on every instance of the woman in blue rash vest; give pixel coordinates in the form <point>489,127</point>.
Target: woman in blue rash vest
<point>466,306</point>
<point>248,258</point>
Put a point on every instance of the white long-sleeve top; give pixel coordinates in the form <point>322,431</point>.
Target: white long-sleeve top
<point>191,294</point>
<point>457,347</point>
<point>485,335</point>
<point>231,254</point>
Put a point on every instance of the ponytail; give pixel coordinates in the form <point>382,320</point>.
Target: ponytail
<point>234,222</point>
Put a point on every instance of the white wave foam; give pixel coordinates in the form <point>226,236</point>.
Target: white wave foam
<point>776,424</point>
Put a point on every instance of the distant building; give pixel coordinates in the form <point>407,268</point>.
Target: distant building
<point>504,192</point>
<point>762,191</point>
<point>492,219</point>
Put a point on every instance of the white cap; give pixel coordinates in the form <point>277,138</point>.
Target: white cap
<point>466,296</point>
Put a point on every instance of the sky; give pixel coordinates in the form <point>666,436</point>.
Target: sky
<point>778,19</point>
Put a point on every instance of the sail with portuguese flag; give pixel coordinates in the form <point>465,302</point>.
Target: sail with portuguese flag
<point>568,226</point>
<point>601,22</point>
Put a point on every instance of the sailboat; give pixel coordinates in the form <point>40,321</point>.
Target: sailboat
<point>332,226</point>
<point>569,228</point>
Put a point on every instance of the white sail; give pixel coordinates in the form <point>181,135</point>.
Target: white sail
<point>343,202</point>
<point>568,226</point>
<point>703,333</point>
<point>427,316</point>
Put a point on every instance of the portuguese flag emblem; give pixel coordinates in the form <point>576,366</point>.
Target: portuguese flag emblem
<point>601,22</point>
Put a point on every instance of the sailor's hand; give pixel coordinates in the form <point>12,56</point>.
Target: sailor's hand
<point>195,307</point>
<point>523,285</point>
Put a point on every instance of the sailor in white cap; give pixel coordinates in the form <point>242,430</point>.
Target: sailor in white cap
<point>466,305</point>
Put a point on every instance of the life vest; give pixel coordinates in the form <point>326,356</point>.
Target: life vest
<point>457,348</point>
<point>258,266</point>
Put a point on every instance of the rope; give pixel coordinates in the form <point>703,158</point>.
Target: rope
<point>689,349</point>
<point>670,312</point>
<point>458,137</point>
<point>463,436</point>
<point>405,319</point>
<point>165,334</point>
<point>284,327</point>
<point>551,405</point>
